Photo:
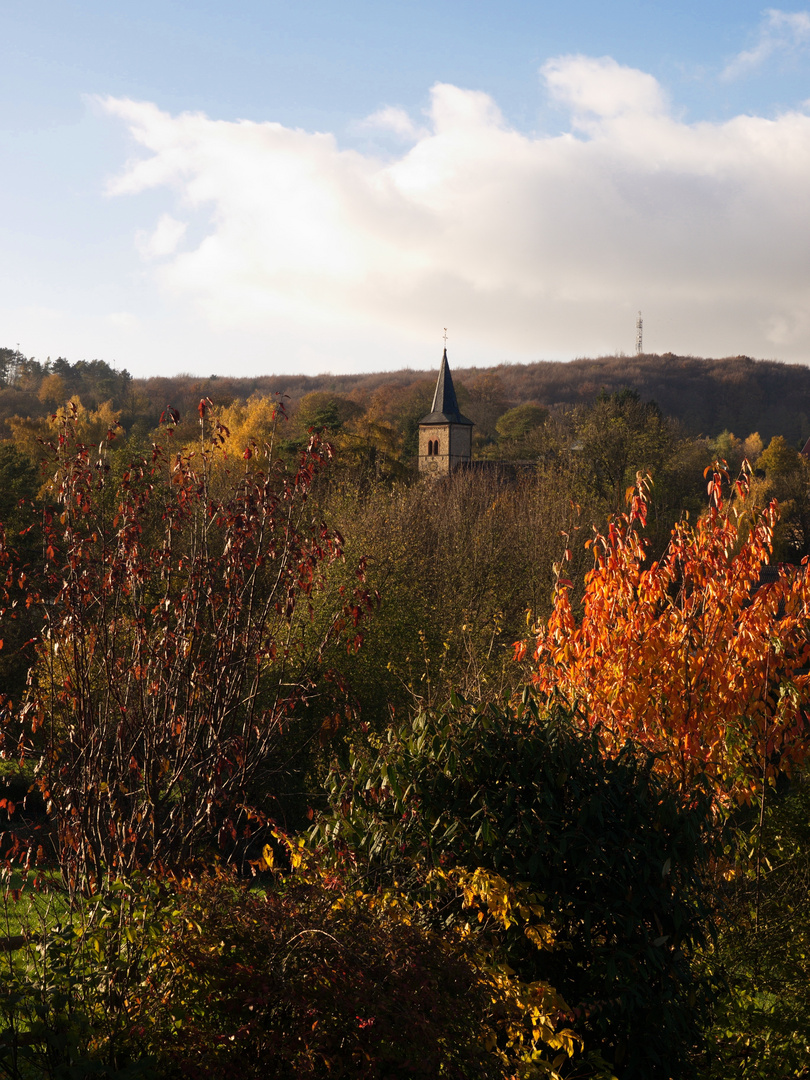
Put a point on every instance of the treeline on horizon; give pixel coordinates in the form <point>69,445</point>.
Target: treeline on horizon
<point>707,396</point>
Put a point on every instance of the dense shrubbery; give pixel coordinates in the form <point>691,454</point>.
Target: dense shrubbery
<point>315,977</point>
<point>617,858</point>
<point>503,886</point>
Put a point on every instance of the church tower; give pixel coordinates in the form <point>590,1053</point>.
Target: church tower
<point>445,436</point>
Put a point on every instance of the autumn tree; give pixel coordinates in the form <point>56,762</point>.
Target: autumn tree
<point>251,423</point>
<point>53,391</point>
<point>619,435</point>
<point>727,447</point>
<point>786,478</point>
<point>687,655</point>
<point>169,663</point>
<point>90,426</point>
<point>516,423</point>
<point>324,412</point>
<point>397,410</point>
<point>483,399</point>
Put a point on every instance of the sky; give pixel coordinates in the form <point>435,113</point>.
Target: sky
<point>263,187</point>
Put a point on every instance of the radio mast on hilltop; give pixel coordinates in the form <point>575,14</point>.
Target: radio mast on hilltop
<point>639,328</point>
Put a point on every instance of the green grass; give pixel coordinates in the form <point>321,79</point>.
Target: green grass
<point>28,909</point>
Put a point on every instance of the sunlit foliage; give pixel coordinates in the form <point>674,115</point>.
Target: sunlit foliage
<point>686,655</point>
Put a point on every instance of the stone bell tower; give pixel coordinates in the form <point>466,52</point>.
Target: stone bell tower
<point>445,436</point>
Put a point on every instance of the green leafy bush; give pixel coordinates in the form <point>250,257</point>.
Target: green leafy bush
<point>73,978</point>
<point>617,856</point>
<point>761,1027</point>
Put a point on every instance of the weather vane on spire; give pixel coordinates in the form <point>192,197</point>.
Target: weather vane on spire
<point>445,337</point>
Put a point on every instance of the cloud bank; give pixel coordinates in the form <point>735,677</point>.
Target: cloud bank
<point>782,33</point>
<point>528,245</point>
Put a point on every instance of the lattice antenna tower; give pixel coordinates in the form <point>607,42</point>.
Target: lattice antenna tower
<point>639,329</point>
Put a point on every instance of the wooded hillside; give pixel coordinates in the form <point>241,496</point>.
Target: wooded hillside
<point>708,396</point>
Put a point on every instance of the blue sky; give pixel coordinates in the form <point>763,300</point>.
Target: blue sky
<point>318,186</point>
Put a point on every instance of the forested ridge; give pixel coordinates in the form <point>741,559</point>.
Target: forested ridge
<point>314,768</point>
<point>707,396</point>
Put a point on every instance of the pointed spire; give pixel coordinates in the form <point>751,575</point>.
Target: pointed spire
<point>445,408</point>
<point>444,400</point>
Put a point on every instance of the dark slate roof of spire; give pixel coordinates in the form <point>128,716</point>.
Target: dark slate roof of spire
<point>445,406</point>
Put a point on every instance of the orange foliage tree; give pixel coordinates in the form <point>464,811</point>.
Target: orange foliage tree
<point>690,655</point>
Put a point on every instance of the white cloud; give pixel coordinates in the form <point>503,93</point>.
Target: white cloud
<point>123,320</point>
<point>43,314</point>
<point>163,239</point>
<point>523,245</point>
<point>783,32</point>
<point>602,87</point>
<point>394,120</point>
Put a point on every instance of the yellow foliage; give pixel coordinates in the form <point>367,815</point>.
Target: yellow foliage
<point>90,426</point>
<point>251,423</point>
<point>523,1027</point>
<point>52,390</point>
<point>507,903</point>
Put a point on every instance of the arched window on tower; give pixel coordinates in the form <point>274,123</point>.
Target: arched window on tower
<point>436,446</point>
<point>430,448</point>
